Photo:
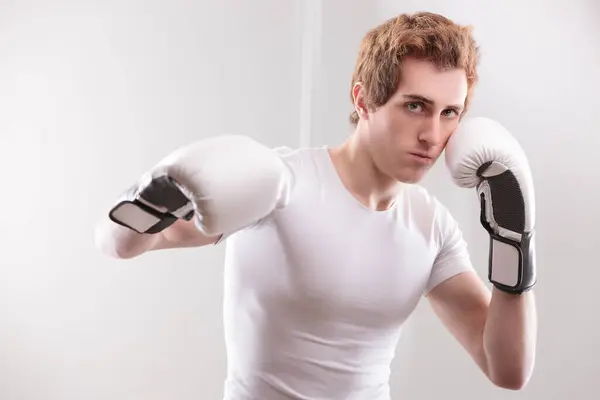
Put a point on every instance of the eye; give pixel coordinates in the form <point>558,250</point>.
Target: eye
<point>415,107</point>
<point>450,113</point>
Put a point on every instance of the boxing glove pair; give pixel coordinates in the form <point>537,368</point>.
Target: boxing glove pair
<point>229,182</point>
<point>225,183</point>
<point>482,154</point>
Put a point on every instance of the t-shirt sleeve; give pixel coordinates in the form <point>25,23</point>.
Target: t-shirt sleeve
<point>453,257</point>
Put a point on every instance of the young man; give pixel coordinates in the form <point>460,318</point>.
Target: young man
<point>329,250</point>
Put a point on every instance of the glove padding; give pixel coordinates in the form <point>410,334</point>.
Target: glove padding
<point>228,182</point>
<point>482,154</point>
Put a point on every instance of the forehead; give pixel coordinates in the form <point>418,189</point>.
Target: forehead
<point>425,79</point>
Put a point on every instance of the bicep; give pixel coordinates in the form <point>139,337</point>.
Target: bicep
<point>183,234</point>
<point>461,303</point>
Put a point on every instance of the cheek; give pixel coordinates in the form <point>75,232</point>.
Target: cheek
<point>452,123</point>
<point>449,128</point>
<point>395,123</point>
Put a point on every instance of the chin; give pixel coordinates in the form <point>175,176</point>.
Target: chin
<point>403,178</point>
<point>410,181</point>
<point>410,177</point>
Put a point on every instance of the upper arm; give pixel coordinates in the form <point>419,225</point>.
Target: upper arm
<point>453,257</point>
<point>461,303</point>
<point>183,234</point>
<point>456,293</point>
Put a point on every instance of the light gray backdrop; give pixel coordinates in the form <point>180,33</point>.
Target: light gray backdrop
<point>94,92</point>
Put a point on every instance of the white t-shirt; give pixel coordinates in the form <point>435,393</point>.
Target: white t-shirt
<point>316,294</point>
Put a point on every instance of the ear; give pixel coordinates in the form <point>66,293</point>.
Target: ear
<point>360,106</point>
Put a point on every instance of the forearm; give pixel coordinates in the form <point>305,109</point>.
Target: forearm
<point>120,242</point>
<point>509,338</point>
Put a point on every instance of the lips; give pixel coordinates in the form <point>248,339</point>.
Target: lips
<point>422,156</point>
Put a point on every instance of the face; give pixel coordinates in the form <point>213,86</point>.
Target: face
<point>407,134</point>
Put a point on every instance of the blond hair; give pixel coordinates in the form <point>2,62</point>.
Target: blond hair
<point>425,36</point>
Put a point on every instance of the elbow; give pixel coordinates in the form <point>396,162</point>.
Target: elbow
<point>109,249</point>
<point>119,254</point>
<point>114,249</point>
<point>511,380</point>
<point>108,245</point>
<point>511,372</point>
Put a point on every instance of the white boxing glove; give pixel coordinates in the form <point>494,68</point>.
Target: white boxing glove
<point>482,154</point>
<point>227,182</point>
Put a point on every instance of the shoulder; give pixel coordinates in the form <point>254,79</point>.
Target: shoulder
<point>429,212</point>
<point>423,202</point>
<point>297,153</point>
<point>300,159</point>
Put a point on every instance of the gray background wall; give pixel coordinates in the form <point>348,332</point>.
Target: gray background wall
<point>92,93</point>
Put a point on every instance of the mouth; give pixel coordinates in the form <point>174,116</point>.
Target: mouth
<point>422,156</point>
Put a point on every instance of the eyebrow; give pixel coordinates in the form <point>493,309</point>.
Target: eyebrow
<point>430,101</point>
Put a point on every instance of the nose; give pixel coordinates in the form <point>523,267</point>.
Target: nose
<point>430,133</point>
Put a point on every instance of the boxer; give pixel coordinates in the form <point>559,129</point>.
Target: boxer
<point>330,249</point>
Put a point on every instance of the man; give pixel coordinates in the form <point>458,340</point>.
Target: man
<point>329,250</point>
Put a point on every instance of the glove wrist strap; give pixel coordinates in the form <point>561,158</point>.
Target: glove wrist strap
<point>512,264</point>
<point>153,207</point>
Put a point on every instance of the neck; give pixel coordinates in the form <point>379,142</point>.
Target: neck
<point>360,175</point>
